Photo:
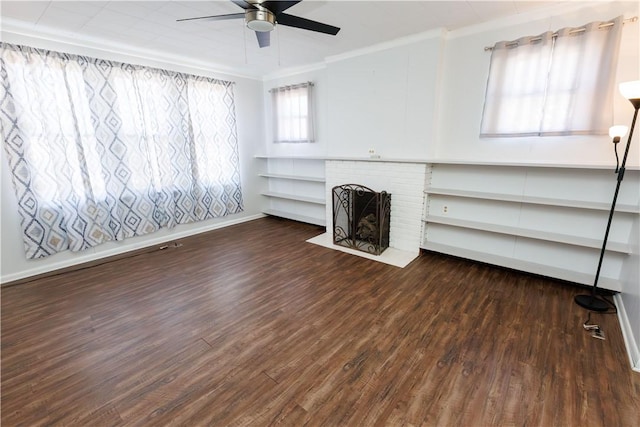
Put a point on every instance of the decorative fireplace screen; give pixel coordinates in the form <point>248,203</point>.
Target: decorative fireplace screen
<point>361,218</point>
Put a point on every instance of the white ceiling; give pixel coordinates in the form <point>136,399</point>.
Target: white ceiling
<point>150,26</point>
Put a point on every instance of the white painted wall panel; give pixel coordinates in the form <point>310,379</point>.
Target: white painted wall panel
<point>385,101</point>
<point>570,257</point>
<point>630,297</point>
<point>506,180</point>
<point>585,223</point>
<point>501,245</point>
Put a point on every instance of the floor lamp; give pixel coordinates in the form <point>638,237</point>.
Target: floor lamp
<point>631,91</point>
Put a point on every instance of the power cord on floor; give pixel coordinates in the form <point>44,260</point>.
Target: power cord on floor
<point>596,332</point>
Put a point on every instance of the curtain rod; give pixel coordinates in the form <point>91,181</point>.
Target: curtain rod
<point>290,87</point>
<point>577,30</point>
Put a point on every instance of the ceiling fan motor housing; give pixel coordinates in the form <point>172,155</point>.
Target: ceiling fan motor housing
<point>260,20</point>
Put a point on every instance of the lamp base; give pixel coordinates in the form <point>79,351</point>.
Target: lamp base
<point>591,302</point>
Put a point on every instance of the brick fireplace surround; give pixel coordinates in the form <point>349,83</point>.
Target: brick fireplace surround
<point>406,183</point>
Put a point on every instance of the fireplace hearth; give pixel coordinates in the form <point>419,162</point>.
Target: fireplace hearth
<point>361,218</point>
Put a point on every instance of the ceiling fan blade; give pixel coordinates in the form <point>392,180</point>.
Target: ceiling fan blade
<point>264,38</point>
<point>277,7</point>
<point>306,24</point>
<point>215,17</point>
<point>243,4</point>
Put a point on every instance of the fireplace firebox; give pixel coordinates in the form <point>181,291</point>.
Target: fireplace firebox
<point>361,218</point>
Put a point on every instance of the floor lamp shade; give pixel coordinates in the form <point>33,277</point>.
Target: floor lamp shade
<point>631,91</point>
<point>618,131</point>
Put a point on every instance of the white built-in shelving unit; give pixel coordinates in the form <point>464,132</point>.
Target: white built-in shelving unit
<point>294,188</point>
<point>539,218</point>
<point>543,219</point>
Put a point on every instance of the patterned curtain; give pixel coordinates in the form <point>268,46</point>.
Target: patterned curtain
<point>102,151</point>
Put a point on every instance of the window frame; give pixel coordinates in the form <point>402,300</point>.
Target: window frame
<point>293,113</point>
<point>542,61</point>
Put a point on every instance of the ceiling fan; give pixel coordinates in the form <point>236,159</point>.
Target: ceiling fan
<point>262,17</point>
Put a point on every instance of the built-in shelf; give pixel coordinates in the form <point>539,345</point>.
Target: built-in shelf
<point>528,233</point>
<point>522,265</point>
<point>291,157</point>
<point>543,219</point>
<point>576,166</point>
<point>528,217</point>
<point>295,217</point>
<point>550,166</point>
<point>293,177</point>
<point>347,159</point>
<point>294,188</point>
<point>580,204</point>
<point>295,197</point>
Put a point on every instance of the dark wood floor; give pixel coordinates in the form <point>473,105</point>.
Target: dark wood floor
<point>250,325</point>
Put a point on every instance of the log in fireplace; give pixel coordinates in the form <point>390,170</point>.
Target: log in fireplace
<point>361,218</point>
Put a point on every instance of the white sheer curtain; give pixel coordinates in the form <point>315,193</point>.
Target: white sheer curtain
<point>515,95</point>
<point>553,84</point>
<point>293,113</point>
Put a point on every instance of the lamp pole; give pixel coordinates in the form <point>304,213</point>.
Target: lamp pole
<point>631,91</point>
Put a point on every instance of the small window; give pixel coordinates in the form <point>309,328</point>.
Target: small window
<point>553,84</point>
<point>293,113</point>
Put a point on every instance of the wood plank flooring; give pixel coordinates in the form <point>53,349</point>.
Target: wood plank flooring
<point>252,326</point>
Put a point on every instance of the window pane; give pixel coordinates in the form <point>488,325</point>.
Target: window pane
<point>553,84</point>
<point>293,116</point>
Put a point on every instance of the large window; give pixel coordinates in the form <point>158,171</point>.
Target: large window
<point>553,84</point>
<point>102,151</point>
<point>293,113</point>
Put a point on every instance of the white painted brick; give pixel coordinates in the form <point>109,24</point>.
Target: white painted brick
<point>405,182</point>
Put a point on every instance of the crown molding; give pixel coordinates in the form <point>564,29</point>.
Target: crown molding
<point>402,41</point>
<point>293,71</point>
<point>523,18</point>
<point>14,31</point>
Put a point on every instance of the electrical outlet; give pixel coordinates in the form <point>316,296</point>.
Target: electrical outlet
<point>445,209</point>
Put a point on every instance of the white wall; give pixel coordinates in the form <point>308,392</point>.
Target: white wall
<point>250,124</point>
<point>385,101</point>
<point>467,65</point>
<point>381,99</point>
<point>629,301</point>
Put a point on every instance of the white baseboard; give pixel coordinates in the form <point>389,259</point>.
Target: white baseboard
<point>627,334</point>
<point>94,256</point>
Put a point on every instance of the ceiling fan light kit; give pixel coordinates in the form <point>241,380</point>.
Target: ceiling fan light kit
<point>260,20</point>
<point>262,17</point>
